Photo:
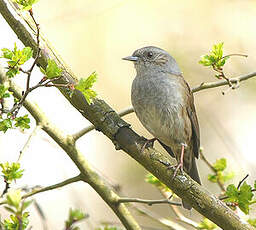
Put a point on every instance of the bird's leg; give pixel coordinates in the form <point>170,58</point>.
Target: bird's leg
<point>180,164</point>
<point>148,143</point>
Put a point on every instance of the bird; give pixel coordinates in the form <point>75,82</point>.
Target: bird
<point>164,104</point>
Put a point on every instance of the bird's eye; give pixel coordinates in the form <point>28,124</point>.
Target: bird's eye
<point>150,54</point>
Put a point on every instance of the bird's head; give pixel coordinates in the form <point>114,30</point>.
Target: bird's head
<point>153,59</point>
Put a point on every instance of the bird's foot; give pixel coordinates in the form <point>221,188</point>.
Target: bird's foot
<point>148,143</point>
<point>177,168</point>
<point>180,164</point>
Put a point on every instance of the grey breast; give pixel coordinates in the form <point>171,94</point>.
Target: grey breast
<point>158,105</point>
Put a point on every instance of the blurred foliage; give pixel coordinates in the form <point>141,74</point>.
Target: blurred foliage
<point>75,215</point>
<point>18,218</point>
<point>207,224</point>
<point>26,4</point>
<point>220,174</point>
<point>151,179</point>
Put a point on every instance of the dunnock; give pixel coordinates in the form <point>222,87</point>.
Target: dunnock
<point>164,104</point>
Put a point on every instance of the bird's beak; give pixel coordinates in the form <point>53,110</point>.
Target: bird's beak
<point>131,58</point>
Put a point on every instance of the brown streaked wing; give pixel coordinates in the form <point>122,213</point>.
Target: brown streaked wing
<point>193,118</point>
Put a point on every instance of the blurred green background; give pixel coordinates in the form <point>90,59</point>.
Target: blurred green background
<point>93,35</point>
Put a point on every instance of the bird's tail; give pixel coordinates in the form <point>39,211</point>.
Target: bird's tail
<point>193,173</point>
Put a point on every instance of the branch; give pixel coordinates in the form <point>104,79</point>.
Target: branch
<point>51,187</point>
<point>28,141</point>
<point>87,175</point>
<point>148,202</point>
<point>89,128</point>
<point>170,223</point>
<point>221,185</point>
<point>177,212</point>
<point>216,84</point>
<point>240,182</point>
<point>105,119</point>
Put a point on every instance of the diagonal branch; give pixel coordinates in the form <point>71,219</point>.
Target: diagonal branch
<point>87,175</point>
<point>89,128</point>
<point>105,119</point>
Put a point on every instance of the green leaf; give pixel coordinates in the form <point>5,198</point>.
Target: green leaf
<point>8,54</point>
<point>11,171</point>
<point>14,198</point>
<point>26,4</point>
<point>4,92</point>
<point>215,58</point>
<point>42,70</point>
<point>27,53</point>
<point>206,60</point>
<point>14,222</point>
<point>212,178</point>
<point>220,164</point>
<point>252,222</point>
<point>228,176</point>
<point>25,204</point>
<point>244,198</point>
<point>5,124</point>
<point>12,72</point>
<point>16,58</point>
<point>75,216</point>
<point>85,84</point>
<point>207,224</point>
<point>52,70</point>
<point>151,179</point>
<point>22,122</point>
<point>232,193</point>
<point>217,50</point>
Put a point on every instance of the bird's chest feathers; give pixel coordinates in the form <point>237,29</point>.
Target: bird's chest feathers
<point>158,105</point>
<point>158,92</point>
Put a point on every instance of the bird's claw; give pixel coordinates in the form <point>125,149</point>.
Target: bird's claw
<point>177,167</point>
<point>148,143</point>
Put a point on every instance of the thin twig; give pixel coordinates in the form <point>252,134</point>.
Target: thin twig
<point>51,187</point>
<point>38,189</point>
<point>28,141</point>
<point>170,223</point>
<point>148,202</point>
<point>229,55</point>
<point>15,109</point>
<point>240,182</point>
<point>221,185</point>
<point>238,186</point>
<point>7,186</point>
<point>177,212</point>
<point>215,84</point>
